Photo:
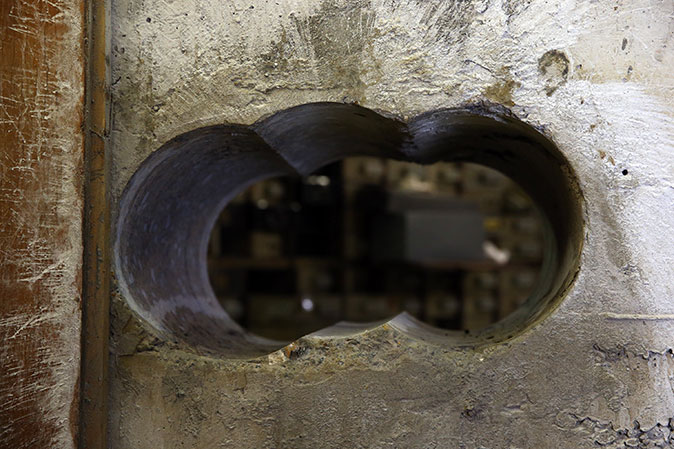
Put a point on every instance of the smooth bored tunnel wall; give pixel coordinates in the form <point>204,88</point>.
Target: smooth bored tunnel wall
<point>165,218</point>
<point>170,204</point>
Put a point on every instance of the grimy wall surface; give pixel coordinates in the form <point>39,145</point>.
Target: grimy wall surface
<point>41,213</point>
<point>595,77</point>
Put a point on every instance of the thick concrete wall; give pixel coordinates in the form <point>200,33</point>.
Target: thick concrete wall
<point>595,77</point>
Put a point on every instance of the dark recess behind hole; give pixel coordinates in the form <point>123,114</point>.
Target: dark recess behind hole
<point>160,243</point>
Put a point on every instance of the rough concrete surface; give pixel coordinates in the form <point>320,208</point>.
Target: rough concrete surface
<point>595,77</point>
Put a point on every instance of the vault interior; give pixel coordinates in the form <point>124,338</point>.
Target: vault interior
<point>173,200</point>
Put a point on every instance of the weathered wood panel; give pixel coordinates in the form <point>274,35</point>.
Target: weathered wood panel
<point>41,154</point>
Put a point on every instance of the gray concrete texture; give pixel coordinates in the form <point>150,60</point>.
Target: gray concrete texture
<point>594,77</point>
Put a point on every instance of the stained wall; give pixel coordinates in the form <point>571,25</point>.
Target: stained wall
<point>595,77</point>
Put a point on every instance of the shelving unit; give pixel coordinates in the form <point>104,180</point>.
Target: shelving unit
<point>292,255</point>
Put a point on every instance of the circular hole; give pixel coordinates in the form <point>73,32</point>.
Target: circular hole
<point>172,202</point>
<point>455,245</point>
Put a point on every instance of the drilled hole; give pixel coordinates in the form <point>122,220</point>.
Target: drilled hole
<point>173,200</point>
<point>456,245</point>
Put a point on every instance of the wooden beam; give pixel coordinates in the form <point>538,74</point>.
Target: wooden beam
<point>41,212</point>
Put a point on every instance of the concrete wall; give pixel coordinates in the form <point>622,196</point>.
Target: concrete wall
<point>595,77</point>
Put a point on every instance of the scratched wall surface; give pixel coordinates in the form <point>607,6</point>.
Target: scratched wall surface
<point>41,148</point>
<point>596,77</point>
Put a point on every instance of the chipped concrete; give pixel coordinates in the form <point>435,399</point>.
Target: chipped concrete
<point>554,68</point>
<point>595,76</point>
